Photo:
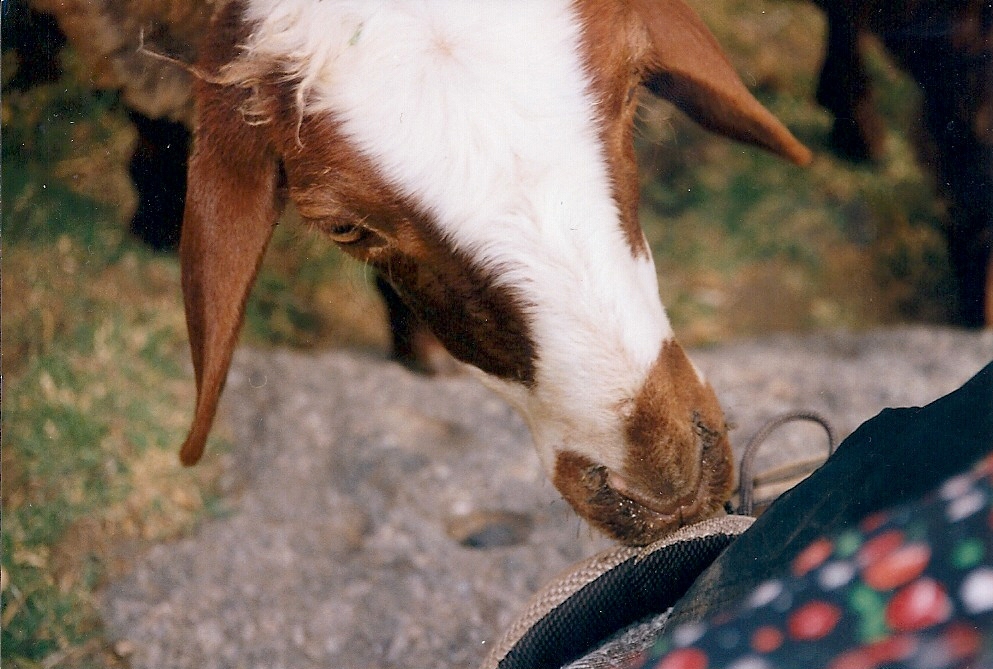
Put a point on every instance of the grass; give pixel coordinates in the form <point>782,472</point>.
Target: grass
<point>95,403</point>
<point>97,383</point>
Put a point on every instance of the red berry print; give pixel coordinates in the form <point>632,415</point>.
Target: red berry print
<point>892,649</point>
<point>814,620</point>
<point>875,548</point>
<point>766,639</point>
<point>917,606</point>
<point>854,659</point>
<point>812,557</point>
<point>985,466</point>
<point>898,567</point>
<point>684,658</point>
<point>961,641</point>
<point>883,652</point>
<point>873,522</point>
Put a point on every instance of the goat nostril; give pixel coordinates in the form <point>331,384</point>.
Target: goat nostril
<point>490,529</point>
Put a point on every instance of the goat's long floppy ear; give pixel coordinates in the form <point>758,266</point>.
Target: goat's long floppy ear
<point>686,66</point>
<point>233,201</point>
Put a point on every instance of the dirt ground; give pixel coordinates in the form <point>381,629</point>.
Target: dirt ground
<point>374,518</point>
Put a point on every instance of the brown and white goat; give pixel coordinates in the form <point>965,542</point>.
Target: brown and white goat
<point>947,47</point>
<point>479,156</point>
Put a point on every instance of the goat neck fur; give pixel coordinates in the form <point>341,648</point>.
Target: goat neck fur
<point>479,156</point>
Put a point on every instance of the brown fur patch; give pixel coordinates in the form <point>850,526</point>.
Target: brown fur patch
<point>478,321</point>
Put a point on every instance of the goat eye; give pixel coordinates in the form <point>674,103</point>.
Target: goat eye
<point>346,233</point>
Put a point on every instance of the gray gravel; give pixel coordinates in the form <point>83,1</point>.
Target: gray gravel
<point>354,487</point>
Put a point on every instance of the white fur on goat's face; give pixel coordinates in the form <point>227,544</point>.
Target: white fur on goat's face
<point>481,114</point>
<point>479,155</point>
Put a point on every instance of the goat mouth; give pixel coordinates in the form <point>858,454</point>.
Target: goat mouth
<point>632,515</point>
<point>686,507</point>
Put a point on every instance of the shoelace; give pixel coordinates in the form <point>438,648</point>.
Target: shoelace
<point>746,476</point>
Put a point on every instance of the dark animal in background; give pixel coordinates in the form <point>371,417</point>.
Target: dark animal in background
<point>104,35</point>
<point>158,170</point>
<point>37,40</point>
<point>947,47</point>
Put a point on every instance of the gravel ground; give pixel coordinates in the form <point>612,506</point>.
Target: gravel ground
<point>380,519</point>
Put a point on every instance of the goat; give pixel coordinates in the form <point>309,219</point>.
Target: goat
<point>480,157</point>
<point>947,47</point>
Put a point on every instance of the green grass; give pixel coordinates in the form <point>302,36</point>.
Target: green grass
<point>97,388</point>
<point>96,393</point>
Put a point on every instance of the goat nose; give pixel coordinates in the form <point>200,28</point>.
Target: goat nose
<point>676,426</point>
<point>631,512</point>
<point>675,464</point>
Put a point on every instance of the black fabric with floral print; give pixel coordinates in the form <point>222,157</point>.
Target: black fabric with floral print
<point>882,558</point>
